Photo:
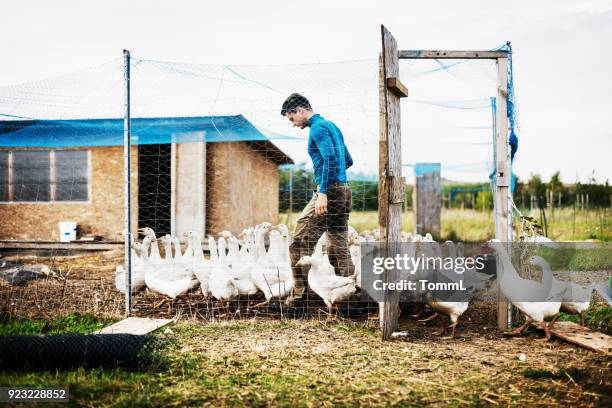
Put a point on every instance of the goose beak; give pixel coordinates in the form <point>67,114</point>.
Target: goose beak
<point>275,227</point>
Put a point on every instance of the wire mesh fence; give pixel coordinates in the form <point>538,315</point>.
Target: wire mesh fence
<point>220,180</point>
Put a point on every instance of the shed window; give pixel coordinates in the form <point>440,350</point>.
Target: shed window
<point>71,175</point>
<point>31,172</point>
<point>44,176</point>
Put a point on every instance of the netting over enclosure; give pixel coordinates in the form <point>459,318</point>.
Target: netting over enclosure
<point>211,156</point>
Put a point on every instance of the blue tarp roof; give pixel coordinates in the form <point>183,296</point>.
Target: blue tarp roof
<point>109,132</point>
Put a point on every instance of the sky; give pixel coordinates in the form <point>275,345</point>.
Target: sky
<point>562,61</point>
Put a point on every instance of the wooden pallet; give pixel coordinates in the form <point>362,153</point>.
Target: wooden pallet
<point>135,325</point>
<point>584,337</point>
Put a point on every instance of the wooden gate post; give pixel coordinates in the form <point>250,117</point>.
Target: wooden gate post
<point>391,183</point>
<point>503,219</point>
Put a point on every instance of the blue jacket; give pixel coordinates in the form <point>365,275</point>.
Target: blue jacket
<point>330,157</point>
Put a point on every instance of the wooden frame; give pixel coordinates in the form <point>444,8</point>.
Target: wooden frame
<point>436,54</point>
<point>390,160</point>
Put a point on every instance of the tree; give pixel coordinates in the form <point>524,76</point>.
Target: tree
<point>484,200</point>
<point>536,187</point>
<point>555,184</point>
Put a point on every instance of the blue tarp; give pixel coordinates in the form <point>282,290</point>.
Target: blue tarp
<point>421,169</point>
<point>109,132</point>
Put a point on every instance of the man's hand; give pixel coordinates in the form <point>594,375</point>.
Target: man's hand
<point>321,204</point>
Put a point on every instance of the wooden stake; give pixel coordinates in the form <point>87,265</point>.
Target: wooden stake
<point>390,167</point>
<point>502,160</point>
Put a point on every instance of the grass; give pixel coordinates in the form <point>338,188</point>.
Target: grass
<point>567,224</point>
<point>595,257</point>
<point>597,317</point>
<point>72,323</point>
<point>473,225</point>
<point>306,363</point>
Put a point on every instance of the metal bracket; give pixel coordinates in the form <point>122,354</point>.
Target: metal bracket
<point>503,178</point>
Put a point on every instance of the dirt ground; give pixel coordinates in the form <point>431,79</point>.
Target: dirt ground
<point>341,362</point>
<point>347,363</point>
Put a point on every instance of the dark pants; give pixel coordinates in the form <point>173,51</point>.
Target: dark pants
<point>309,228</point>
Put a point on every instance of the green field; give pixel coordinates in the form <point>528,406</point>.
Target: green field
<point>473,225</point>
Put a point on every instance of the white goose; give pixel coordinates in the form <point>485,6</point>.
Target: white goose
<point>286,241</point>
<point>331,288</point>
<point>168,280</point>
<point>576,298</point>
<point>406,236</point>
<point>221,283</point>
<point>472,281</point>
<point>542,240</point>
<point>138,282</point>
<point>518,291</point>
<point>166,241</point>
<point>182,257</point>
<point>178,264</point>
<point>154,256</point>
<point>271,280</point>
<point>226,235</point>
<point>460,249</point>
<point>355,250</point>
<point>202,267</point>
<point>248,243</point>
<point>322,246</point>
<point>241,269</point>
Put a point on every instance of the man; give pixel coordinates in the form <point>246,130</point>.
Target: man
<point>328,210</point>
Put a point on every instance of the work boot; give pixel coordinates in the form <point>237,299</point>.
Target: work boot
<point>296,294</point>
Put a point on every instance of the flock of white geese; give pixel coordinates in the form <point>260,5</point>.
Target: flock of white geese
<point>245,266</point>
<point>235,266</point>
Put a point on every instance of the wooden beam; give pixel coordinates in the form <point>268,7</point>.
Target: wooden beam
<point>582,336</point>
<point>440,54</point>
<point>382,148</point>
<point>390,167</point>
<point>79,246</point>
<point>396,86</point>
<point>502,188</point>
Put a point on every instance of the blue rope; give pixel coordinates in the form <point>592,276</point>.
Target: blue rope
<point>511,106</point>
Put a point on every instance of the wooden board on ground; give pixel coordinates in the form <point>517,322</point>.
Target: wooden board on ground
<point>135,325</point>
<point>587,338</point>
<point>73,245</point>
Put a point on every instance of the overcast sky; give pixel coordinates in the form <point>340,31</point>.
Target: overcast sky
<point>562,52</point>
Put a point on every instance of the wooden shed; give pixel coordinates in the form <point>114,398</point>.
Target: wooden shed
<point>198,173</point>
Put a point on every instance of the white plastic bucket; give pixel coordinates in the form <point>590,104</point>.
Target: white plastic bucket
<point>68,230</point>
